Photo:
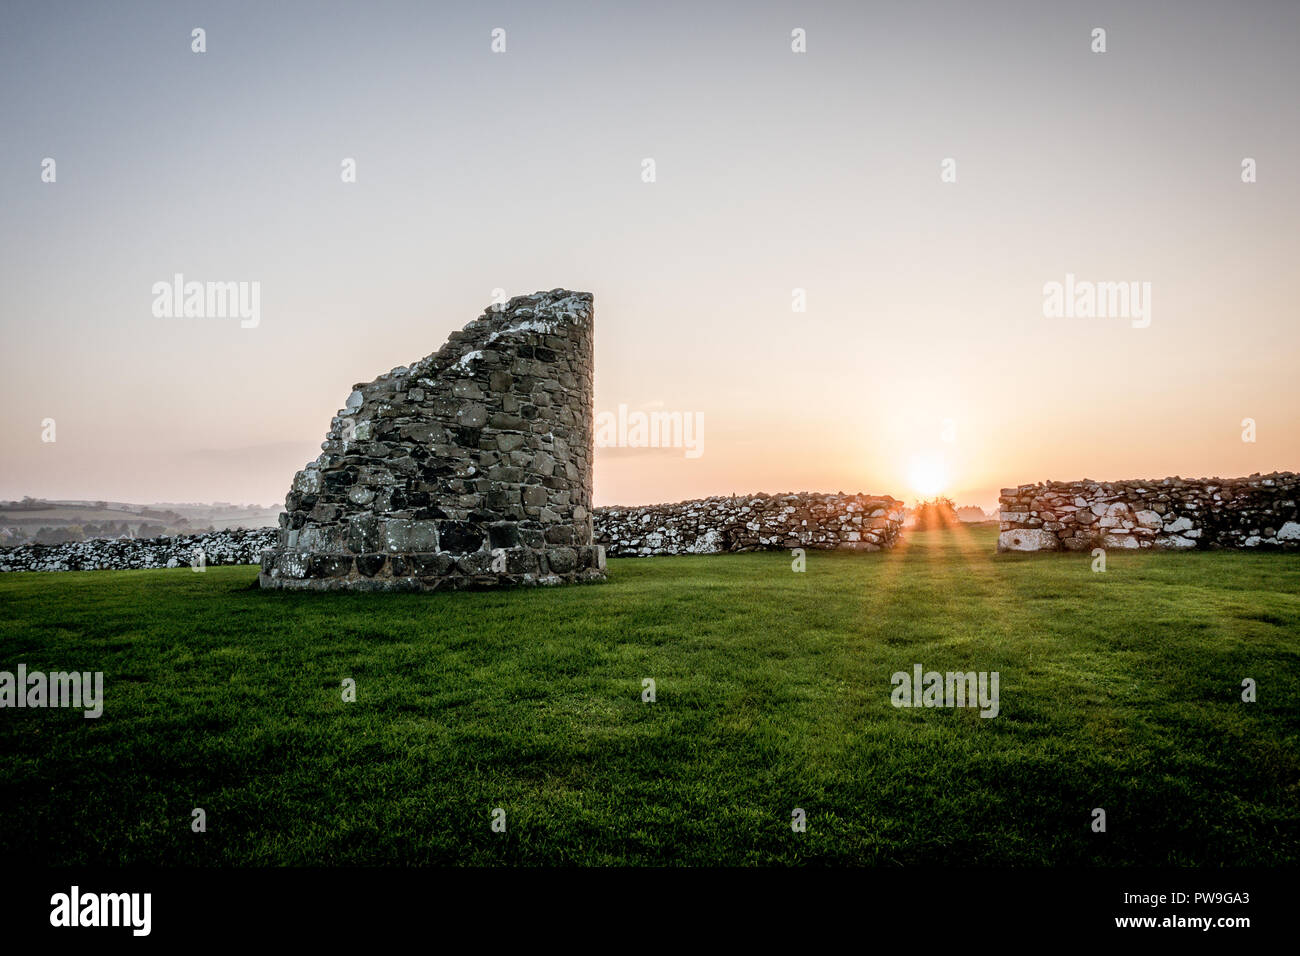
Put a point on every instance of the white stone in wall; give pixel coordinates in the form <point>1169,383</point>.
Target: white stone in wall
<point>708,543</point>
<point>1289,531</point>
<point>1148,519</point>
<point>1028,540</point>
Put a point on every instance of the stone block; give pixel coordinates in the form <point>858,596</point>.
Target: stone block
<point>1028,539</point>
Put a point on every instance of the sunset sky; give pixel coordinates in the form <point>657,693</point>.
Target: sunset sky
<point>775,171</point>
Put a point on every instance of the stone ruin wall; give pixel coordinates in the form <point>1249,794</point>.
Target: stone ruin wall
<point>1255,512</point>
<point>710,525</point>
<point>470,468</point>
<point>234,546</point>
<point>707,526</point>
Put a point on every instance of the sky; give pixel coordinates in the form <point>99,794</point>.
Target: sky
<point>923,360</point>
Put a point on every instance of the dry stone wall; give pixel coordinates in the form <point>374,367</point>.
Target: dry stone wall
<point>710,525</point>
<point>706,526</point>
<point>1255,512</point>
<point>236,546</point>
<point>470,468</point>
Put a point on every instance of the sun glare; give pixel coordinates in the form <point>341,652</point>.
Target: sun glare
<point>927,475</point>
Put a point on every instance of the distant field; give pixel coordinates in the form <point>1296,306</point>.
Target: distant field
<point>1119,690</point>
<point>64,514</point>
<point>251,519</point>
<point>197,517</point>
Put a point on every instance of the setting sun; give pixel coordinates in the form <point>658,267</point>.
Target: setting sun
<point>927,475</point>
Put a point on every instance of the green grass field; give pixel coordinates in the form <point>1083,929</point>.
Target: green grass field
<point>1119,690</point>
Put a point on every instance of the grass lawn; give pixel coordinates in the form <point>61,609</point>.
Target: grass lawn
<point>1119,690</point>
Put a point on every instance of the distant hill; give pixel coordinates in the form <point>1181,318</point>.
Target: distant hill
<point>56,521</point>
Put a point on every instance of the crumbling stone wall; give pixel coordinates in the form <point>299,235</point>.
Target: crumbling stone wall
<point>233,546</point>
<point>471,467</point>
<point>709,525</point>
<point>706,526</point>
<point>1254,512</point>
